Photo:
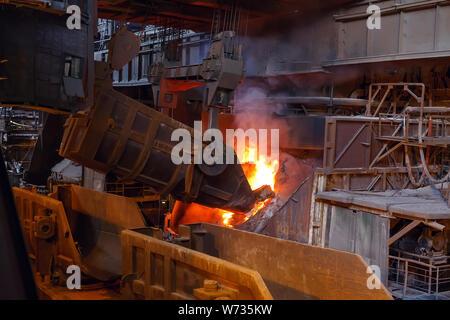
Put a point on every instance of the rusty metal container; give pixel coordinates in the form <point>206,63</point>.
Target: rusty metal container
<point>74,225</point>
<point>133,141</point>
<point>244,265</point>
<point>156,269</point>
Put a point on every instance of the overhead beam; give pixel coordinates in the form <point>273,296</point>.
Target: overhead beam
<point>201,11</point>
<point>183,16</point>
<point>259,10</point>
<point>404,231</point>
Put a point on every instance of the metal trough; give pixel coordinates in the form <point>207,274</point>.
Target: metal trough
<point>208,258</point>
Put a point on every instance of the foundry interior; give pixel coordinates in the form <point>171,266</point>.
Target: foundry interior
<point>355,205</point>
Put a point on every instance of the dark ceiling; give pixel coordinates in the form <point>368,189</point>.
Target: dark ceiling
<point>197,14</point>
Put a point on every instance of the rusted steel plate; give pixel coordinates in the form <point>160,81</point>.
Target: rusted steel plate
<point>52,292</point>
<point>46,229</point>
<point>290,269</point>
<point>291,221</point>
<point>155,269</point>
<point>121,211</point>
<point>86,225</point>
<point>352,143</point>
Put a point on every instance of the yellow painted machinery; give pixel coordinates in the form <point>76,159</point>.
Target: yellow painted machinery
<point>106,236</point>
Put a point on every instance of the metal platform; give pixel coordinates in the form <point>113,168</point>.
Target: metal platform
<point>422,204</point>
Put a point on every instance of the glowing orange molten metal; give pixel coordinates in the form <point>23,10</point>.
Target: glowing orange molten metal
<point>259,172</point>
<point>226,217</point>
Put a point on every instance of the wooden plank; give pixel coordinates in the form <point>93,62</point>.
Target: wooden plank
<point>404,231</point>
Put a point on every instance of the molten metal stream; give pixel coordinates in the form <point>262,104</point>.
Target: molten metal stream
<point>259,172</point>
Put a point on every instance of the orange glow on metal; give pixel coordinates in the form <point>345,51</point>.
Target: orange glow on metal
<point>260,171</point>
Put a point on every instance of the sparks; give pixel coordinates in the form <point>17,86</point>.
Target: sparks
<point>226,217</point>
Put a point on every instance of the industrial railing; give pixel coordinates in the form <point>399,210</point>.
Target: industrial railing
<point>128,189</point>
<point>419,275</point>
